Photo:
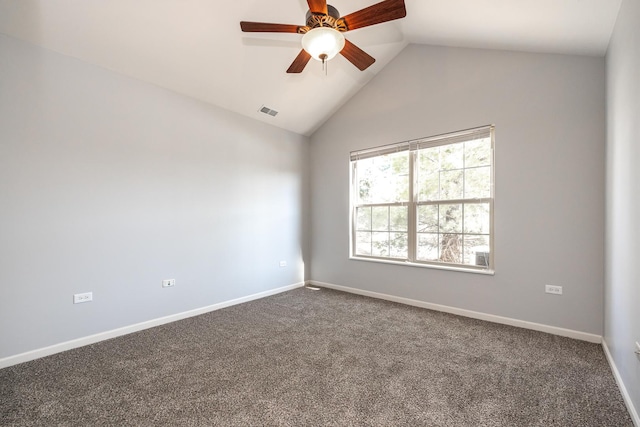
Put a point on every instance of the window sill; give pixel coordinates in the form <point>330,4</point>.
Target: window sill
<point>432,266</point>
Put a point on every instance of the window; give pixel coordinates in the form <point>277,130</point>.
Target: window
<point>427,202</point>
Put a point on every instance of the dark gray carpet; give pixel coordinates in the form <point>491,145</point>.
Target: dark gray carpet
<point>306,358</point>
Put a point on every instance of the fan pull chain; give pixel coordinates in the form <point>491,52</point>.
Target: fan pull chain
<point>325,66</point>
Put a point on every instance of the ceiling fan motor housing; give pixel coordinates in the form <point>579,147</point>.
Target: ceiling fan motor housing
<point>330,20</point>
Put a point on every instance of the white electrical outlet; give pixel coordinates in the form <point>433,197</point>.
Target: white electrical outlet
<point>283,263</point>
<point>553,289</point>
<point>168,283</point>
<point>80,298</point>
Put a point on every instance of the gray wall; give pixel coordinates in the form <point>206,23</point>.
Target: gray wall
<point>549,112</point>
<point>622,285</point>
<point>110,185</point>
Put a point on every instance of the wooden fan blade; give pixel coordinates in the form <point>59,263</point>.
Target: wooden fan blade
<point>357,56</point>
<point>262,27</point>
<point>300,62</point>
<point>318,6</point>
<point>384,11</point>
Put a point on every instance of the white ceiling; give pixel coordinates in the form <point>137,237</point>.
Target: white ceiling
<point>196,48</point>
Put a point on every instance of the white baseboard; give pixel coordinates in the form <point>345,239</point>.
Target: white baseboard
<point>91,339</point>
<point>625,393</point>
<point>583,336</point>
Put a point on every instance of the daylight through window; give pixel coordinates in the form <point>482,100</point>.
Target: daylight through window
<point>428,201</point>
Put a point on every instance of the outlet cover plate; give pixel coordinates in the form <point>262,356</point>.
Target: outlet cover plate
<point>84,297</point>
<point>283,263</point>
<point>553,289</point>
<point>168,283</point>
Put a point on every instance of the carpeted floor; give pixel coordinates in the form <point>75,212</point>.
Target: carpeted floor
<point>319,358</point>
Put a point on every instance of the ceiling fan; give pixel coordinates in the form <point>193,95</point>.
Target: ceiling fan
<point>322,35</point>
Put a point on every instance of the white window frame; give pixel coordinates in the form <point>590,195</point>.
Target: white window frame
<point>413,203</point>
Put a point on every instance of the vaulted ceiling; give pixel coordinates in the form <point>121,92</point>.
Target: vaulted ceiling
<point>196,48</point>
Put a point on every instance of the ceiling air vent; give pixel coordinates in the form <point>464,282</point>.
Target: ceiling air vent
<point>268,111</point>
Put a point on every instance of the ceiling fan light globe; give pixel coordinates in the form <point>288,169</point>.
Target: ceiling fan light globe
<point>322,41</point>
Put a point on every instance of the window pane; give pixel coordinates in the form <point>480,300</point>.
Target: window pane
<point>427,247</point>
<point>380,218</point>
<point>451,156</point>
<point>428,218</point>
<point>363,243</point>
<point>476,250</point>
<point>399,245</point>
<point>451,248</point>
<point>477,152</point>
<point>477,183</point>
<point>450,220</point>
<point>477,219</point>
<point>451,185</point>
<point>383,179</point>
<point>429,174</point>
<point>398,218</point>
<point>380,244</point>
<point>363,218</point>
